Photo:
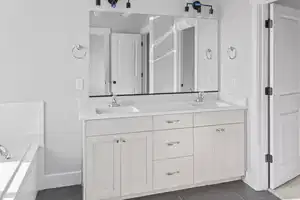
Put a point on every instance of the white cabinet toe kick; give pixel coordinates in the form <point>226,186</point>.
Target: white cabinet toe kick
<point>138,156</point>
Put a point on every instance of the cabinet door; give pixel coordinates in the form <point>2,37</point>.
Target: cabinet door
<point>219,152</point>
<point>136,163</point>
<point>229,151</point>
<point>102,168</point>
<point>204,162</point>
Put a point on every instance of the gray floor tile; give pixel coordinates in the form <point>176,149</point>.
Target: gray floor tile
<point>65,193</point>
<point>228,191</point>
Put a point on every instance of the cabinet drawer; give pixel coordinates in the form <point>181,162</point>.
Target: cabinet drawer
<point>173,172</point>
<point>173,143</point>
<point>172,121</point>
<point>122,125</point>
<point>215,118</point>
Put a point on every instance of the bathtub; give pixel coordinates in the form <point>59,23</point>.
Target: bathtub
<point>19,174</point>
<point>22,133</point>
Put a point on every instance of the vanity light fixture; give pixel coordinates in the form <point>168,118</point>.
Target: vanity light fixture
<point>197,5</point>
<point>128,4</point>
<point>113,3</point>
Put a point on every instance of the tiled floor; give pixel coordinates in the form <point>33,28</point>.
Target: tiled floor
<point>229,191</point>
<point>290,190</point>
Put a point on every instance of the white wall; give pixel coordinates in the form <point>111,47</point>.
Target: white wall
<point>237,79</point>
<point>36,63</point>
<point>36,38</point>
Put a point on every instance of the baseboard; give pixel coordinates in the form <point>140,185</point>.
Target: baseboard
<point>61,180</point>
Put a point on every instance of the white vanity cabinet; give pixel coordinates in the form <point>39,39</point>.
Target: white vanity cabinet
<point>138,156</point>
<point>136,163</point>
<point>118,165</point>
<point>219,152</point>
<point>102,167</point>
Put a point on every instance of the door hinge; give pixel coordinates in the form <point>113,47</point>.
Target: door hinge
<point>268,91</point>
<point>269,23</point>
<point>142,43</point>
<point>142,75</point>
<point>269,158</point>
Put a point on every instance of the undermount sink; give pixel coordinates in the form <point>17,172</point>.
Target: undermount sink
<point>116,110</point>
<point>209,105</point>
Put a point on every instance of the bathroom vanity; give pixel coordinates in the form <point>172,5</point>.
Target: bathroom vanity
<point>166,141</point>
<point>143,150</point>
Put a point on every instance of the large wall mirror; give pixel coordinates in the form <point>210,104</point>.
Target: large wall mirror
<point>134,54</point>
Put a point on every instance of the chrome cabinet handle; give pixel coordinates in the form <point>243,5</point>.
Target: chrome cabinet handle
<point>173,143</point>
<point>220,130</point>
<point>173,121</point>
<point>172,173</point>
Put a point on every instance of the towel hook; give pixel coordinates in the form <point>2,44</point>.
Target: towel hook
<point>78,47</point>
<point>232,53</point>
<point>208,54</point>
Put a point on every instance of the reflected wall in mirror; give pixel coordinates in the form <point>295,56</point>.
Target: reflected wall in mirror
<point>150,54</point>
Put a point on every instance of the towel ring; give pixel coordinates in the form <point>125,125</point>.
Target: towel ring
<point>232,53</point>
<point>208,54</point>
<point>78,47</point>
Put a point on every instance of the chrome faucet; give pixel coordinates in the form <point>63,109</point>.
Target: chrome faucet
<point>4,152</point>
<point>114,102</point>
<point>200,98</point>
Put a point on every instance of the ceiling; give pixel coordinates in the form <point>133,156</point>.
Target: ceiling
<point>119,22</point>
<point>290,3</point>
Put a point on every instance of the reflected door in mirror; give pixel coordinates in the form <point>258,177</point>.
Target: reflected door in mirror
<point>126,64</point>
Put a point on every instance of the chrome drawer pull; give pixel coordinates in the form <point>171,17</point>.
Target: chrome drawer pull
<point>173,121</point>
<point>172,173</point>
<point>173,143</point>
<point>123,140</point>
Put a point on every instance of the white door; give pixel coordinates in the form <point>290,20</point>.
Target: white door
<point>126,63</point>
<point>136,163</point>
<point>103,168</point>
<point>285,79</point>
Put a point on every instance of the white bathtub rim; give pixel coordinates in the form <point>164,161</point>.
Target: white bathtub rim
<point>30,155</point>
<point>20,160</point>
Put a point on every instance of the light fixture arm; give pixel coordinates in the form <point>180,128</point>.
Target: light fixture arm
<point>197,5</point>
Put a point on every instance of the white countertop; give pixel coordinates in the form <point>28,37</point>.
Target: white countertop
<point>158,108</point>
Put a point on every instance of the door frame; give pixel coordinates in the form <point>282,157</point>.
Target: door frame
<point>193,23</point>
<point>257,175</point>
<point>145,36</point>
<point>261,55</point>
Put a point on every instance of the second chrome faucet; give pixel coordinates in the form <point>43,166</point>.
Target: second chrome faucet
<point>114,102</point>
